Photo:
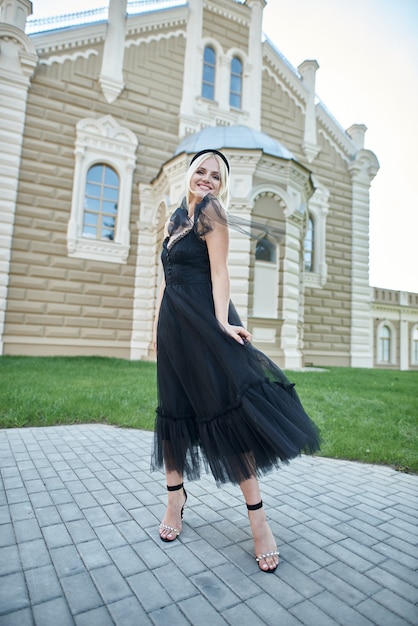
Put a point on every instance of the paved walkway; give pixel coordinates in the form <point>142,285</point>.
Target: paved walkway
<point>79,513</point>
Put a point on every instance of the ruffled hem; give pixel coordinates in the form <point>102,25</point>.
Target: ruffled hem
<point>267,428</point>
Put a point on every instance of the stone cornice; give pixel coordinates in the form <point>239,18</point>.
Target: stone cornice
<point>276,66</point>
<point>238,13</point>
<point>393,308</point>
<point>91,34</point>
<point>157,20</point>
<point>346,145</point>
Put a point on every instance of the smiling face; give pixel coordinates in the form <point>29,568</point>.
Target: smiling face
<point>206,179</point>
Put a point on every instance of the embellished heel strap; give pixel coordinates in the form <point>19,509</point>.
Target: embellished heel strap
<point>255,507</point>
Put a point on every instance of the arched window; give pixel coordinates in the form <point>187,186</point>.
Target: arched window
<point>265,251</point>
<point>414,347</point>
<point>235,91</point>
<point>101,203</point>
<point>309,247</point>
<point>105,157</point>
<point>209,68</point>
<point>384,344</point>
<point>265,290</point>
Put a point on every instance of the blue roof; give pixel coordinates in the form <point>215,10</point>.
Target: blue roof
<point>233,137</point>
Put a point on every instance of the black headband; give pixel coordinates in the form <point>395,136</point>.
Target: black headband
<point>223,157</point>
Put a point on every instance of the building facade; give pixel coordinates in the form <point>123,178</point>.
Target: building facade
<point>99,123</point>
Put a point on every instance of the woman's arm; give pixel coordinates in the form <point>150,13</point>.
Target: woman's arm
<point>159,299</point>
<point>217,242</point>
<point>157,313</point>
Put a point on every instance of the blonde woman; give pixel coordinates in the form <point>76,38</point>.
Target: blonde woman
<point>221,402</point>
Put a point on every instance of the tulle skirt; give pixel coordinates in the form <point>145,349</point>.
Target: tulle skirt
<point>222,406</point>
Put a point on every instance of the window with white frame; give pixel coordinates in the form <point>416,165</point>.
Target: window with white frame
<point>101,203</point>
<point>386,343</point>
<point>100,211</point>
<point>414,346</point>
<point>235,91</point>
<point>209,73</point>
<point>309,246</point>
<point>265,290</point>
<point>314,242</point>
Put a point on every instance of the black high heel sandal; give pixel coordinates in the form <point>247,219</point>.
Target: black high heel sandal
<point>171,528</point>
<point>260,557</point>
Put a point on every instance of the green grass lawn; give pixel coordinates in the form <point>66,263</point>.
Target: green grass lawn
<point>364,415</point>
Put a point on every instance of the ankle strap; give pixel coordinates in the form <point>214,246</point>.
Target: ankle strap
<point>255,507</point>
<point>175,488</point>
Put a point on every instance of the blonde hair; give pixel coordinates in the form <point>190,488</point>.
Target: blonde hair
<point>223,195</point>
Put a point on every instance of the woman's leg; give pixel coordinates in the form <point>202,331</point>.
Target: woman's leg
<point>263,537</point>
<point>176,500</point>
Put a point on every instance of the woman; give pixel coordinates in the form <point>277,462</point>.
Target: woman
<point>221,401</point>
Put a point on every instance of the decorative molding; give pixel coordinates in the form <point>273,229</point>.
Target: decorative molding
<point>154,37</point>
<point>68,57</point>
<point>227,13</point>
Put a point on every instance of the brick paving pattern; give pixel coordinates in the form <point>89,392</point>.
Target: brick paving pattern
<point>79,515</point>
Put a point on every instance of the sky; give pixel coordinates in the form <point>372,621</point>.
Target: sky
<point>367,51</point>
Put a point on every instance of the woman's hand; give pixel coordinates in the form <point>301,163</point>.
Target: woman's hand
<point>239,333</point>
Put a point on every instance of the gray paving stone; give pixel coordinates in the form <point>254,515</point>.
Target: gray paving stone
<point>97,617</point>
<point>186,561</point>
<point>380,615</point>
<point>393,602</point>
<point>43,584</point>
<point>94,554</point>
<point>346,532</point>
<point>148,591</point>
<point>110,583</point>
<point>353,578</point>
<point>7,536</point>
<point>34,554</point>
<point>393,583</point>
<point>56,536</point>
<point>18,618</point>
<point>340,611</point>
<point>307,613</point>
<point>69,512</point>
<point>53,613</point>
<point>127,561</point>
<point>9,560</point>
<point>13,593</point>
<point>242,614</point>
<point>67,561</point>
<point>27,530</point>
<point>271,614</point>
<point>199,611</point>
<point>212,588</point>
<point>81,593</point>
<point>169,615</point>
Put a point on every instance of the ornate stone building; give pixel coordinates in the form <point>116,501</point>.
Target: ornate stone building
<point>99,121</point>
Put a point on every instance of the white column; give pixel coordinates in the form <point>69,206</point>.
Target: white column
<point>146,287</point>
<point>290,333</point>
<point>15,12</point>
<point>253,77</point>
<point>310,145</point>
<point>192,73</point>
<point>18,60</point>
<point>404,336</point>
<point>362,169</point>
<point>111,75</point>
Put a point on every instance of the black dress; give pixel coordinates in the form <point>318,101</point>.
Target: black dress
<point>219,402</point>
